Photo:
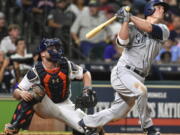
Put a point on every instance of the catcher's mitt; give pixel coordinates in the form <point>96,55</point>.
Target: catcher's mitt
<point>37,92</point>
<point>87,99</point>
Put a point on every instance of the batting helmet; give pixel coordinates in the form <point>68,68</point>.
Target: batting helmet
<point>46,43</point>
<point>149,7</point>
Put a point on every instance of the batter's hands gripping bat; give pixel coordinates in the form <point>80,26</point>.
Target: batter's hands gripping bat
<point>97,29</point>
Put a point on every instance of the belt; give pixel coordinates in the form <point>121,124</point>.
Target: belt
<point>135,70</point>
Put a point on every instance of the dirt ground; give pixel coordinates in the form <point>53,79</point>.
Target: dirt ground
<point>37,128</point>
<point>70,134</point>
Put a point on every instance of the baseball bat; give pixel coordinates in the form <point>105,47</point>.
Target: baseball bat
<point>97,29</point>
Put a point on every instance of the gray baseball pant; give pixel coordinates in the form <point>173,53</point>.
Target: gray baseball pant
<point>128,87</point>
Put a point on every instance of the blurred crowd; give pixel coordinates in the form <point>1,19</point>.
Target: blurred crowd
<point>23,23</point>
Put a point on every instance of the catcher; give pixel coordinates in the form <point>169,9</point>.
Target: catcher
<point>45,90</point>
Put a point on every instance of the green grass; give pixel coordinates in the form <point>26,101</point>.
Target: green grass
<point>7,108</point>
<point>44,133</point>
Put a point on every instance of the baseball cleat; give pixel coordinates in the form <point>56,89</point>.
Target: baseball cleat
<point>152,131</point>
<point>88,130</point>
<point>155,133</point>
<point>10,130</point>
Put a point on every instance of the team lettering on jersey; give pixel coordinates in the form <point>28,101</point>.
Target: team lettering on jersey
<point>139,39</point>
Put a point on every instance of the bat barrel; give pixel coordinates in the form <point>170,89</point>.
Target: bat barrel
<point>97,29</point>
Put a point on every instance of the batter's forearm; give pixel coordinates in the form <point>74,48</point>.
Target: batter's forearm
<point>124,31</point>
<point>87,81</point>
<point>141,24</point>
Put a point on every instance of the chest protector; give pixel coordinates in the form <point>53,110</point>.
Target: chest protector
<point>56,84</point>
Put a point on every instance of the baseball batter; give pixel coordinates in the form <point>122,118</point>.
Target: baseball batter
<point>142,41</point>
<point>53,73</point>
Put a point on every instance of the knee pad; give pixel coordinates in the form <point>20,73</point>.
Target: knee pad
<point>23,115</point>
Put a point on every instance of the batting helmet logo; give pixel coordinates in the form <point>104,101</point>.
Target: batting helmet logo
<point>149,7</point>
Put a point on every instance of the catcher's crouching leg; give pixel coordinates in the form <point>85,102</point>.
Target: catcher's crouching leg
<point>21,118</point>
<point>24,112</point>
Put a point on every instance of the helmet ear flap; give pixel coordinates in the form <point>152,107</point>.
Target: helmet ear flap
<point>42,45</point>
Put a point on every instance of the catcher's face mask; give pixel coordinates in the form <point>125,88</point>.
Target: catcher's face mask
<point>53,47</point>
<point>55,53</point>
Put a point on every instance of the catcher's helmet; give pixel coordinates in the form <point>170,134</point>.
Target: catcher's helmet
<point>47,43</point>
<point>149,7</point>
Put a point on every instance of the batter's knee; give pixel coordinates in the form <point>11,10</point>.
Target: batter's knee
<point>142,89</point>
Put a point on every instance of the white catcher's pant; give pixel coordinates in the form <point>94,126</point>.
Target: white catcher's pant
<point>64,111</point>
<point>129,87</point>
